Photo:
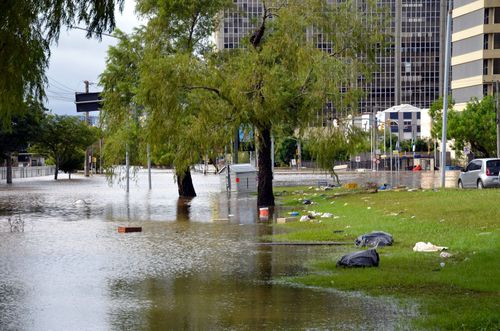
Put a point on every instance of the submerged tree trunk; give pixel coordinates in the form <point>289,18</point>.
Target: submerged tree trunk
<point>265,195</point>
<point>185,183</point>
<point>9,168</point>
<point>56,171</point>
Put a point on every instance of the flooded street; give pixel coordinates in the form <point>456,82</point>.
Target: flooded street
<point>195,266</point>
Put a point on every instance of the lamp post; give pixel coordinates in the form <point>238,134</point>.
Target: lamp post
<point>445,94</point>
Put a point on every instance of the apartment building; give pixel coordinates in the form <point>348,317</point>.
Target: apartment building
<point>410,70</point>
<point>475,49</point>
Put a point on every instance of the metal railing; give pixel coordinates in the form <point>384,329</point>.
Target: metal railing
<point>27,172</point>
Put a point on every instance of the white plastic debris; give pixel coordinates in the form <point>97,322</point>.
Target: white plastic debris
<point>427,247</point>
<point>304,218</point>
<point>445,255</point>
<point>327,215</point>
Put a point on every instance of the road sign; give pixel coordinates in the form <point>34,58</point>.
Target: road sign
<point>88,102</point>
<point>466,150</point>
<point>358,158</point>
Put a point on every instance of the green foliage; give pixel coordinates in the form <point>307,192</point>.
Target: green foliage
<point>27,28</point>
<point>436,114</point>
<point>21,131</point>
<point>63,137</point>
<point>286,150</point>
<point>330,145</point>
<point>475,126</point>
<point>72,161</point>
<point>421,145</point>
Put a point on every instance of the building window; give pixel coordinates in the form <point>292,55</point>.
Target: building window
<point>485,90</point>
<point>497,15</point>
<point>407,126</point>
<point>496,41</point>
<point>407,115</point>
<point>394,128</point>
<point>418,115</point>
<point>485,42</point>
<point>496,66</point>
<point>393,116</point>
<point>486,16</point>
<point>485,67</point>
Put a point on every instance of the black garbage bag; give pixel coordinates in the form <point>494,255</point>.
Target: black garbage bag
<point>368,258</point>
<point>374,239</point>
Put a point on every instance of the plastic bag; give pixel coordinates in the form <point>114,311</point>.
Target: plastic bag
<point>374,239</point>
<point>368,258</point>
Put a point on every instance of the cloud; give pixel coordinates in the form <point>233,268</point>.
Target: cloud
<point>75,59</point>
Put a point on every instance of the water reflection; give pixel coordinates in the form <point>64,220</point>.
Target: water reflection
<point>194,266</point>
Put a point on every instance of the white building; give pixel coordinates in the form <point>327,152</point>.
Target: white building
<point>406,121</point>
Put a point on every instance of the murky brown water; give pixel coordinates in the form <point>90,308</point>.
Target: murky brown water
<point>195,266</point>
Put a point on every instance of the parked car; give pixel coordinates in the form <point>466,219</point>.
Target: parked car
<point>480,173</point>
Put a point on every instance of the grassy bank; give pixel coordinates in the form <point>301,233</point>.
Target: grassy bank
<point>463,294</point>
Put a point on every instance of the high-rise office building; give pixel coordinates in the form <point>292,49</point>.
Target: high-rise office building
<point>476,49</point>
<point>410,70</point>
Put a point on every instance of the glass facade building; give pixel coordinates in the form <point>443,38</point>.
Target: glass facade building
<point>409,71</point>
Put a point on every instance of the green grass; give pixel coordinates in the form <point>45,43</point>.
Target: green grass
<point>464,294</point>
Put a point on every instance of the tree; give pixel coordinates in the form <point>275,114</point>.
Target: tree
<point>333,144</point>
<point>27,29</point>
<point>281,77</point>
<point>22,130</point>
<point>72,161</point>
<point>475,126</point>
<point>181,122</point>
<point>62,138</point>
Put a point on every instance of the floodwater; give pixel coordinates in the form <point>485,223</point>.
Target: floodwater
<point>195,266</point>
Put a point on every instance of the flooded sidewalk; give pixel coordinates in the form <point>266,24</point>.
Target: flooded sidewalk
<point>195,265</point>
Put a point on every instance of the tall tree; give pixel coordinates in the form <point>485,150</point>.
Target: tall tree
<point>19,134</point>
<point>281,77</point>
<point>63,137</point>
<point>27,29</point>
<point>175,118</point>
<point>474,127</point>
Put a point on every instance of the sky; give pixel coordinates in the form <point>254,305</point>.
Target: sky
<point>75,59</point>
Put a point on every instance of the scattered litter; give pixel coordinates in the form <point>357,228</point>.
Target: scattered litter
<point>351,185</point>
<point>368,258</point>
<point>442,264</point>
<point>347,226</point>
<point>484,233</point>
<point>230,215</point>
<point>327,215</point>
<point>384,187</point>
<point>369,208</point>
<point>336,217</point>
<point>441,220</point>
<point>345,204</point>
<point>427,247</point>
<point>445,255</point>
<point>374,239</point>
<point>306,202</point>
<point>338,231</point>
<point>282,220</point>
<point>314,214</point>
<point>81,202</point>
<point>294,213</point>
<point>332,202</point>
<point>413,216</point>
<point>305,218</point>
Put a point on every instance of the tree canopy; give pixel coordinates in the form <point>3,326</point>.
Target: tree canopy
<point>62,138</point>
<point>474,127</point>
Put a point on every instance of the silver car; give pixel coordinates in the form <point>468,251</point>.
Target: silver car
<point>480,173</point>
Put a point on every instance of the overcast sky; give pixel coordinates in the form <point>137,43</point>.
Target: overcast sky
<point>76,58</point>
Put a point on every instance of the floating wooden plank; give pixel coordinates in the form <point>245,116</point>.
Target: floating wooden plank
<point>126,229</point>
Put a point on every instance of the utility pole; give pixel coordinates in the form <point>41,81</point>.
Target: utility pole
<point>87,152</point>
<point>497,121</point>
<point>445,95</point>
<point>148,152</point>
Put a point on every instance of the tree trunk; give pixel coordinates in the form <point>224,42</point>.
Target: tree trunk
<point>9,168</point>
<point>265,195</point>
<point>56,171</point>
<point>69,175</point>
<point>185,183</point>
